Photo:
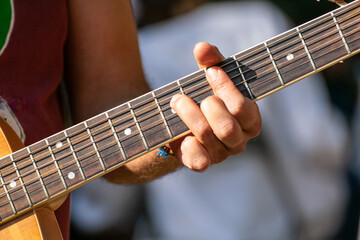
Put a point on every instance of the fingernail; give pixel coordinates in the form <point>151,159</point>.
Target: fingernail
<point>176,96</point>
<point>212,73</point>
<point>173,99</point>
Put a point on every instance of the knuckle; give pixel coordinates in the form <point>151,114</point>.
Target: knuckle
<point>256,129</point>
<point>238,108</point>
<point>227,130</point>
<point>258,125</point>
<point>204,104</point>
<point>218,153</point>
<point>204,132</point>
<point>220,158</point>
<point>241,148</point>
<point>208,102</point>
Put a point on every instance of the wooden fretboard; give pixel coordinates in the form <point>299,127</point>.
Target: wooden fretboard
<point>68,159</point>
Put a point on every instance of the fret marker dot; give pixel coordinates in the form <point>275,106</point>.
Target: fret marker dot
<point>127,131</point>
<point>58,145</point>
<point>173,111</point>
<point>290,57</point>
<point>71,175</point>
<point>12,184</point>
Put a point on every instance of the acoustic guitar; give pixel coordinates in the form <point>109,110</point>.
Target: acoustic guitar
<point>34,180</point>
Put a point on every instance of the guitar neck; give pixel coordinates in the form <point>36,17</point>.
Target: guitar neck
<point>88,150</point>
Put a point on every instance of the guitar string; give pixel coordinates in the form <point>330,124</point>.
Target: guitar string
<point>324,18</point>
<point>156,124</point>
<point>154,109</point>
<point>30,192</point>
<point>286,37</point>
<point>55,172</point>
<point>90,163</point>
<point>299,47</point>
<point>338,39</point>
<point>156,106</point>
<point>266,54</point>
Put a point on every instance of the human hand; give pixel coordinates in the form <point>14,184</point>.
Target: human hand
<point>222,125</point>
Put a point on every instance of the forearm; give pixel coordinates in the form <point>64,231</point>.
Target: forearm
<point>103,67</point>
<point>144,169</point>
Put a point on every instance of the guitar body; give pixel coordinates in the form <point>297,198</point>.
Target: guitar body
<point>39,223</point>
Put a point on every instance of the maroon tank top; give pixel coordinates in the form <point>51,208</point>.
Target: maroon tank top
<point>32,38</point>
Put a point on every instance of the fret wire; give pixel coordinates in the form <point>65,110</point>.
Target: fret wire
<point>95,147</point>
<point>261,83</point>
<point>274,64</point>
<point>199,77</point>
<point>303,44</point>
<point>56,164</point>
<point>74,155</point>
<point>311,26</point>
<point>341,33</point>
<point>264,82</point>
<point>258,66</point>
<point>138,126</point>
<point>180,87</point>
<point>162,115</point>
<point>288,44</point>
<point>294,34</point>
<point>316,48</point>
<point>306,48</point>
<point>199,82</point>
<point>243,77</point>
<point>8,195</point>
<point>291,35</point>
<point>115,136</point>
<point>329,26</point>
<point>323,36</point>
<point>141,103</point>
<point>205,69</point>
<point>21,181</point>
<point>38,173</point>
